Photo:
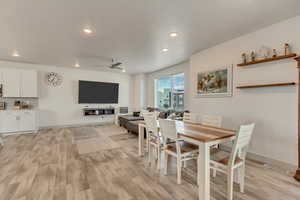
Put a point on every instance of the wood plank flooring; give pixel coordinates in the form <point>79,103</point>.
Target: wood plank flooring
<point>101,163</point>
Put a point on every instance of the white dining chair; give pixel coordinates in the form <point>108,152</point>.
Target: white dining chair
<point>211,120</point>
<point>187,117</point>
<point>182,151</point>
<point>215,121</point>
<point>235,161</point>
<point>144,111</point>
<point>156,113</point>
<point>154,139</point>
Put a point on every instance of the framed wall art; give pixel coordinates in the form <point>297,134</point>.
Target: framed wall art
<point>214,83</point>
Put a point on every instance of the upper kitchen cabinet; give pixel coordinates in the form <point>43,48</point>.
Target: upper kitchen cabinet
<point>19,83</point>
<point>29,84</point>
<point>11,83</point>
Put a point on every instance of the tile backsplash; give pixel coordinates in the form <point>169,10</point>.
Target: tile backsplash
<point>33,102</point>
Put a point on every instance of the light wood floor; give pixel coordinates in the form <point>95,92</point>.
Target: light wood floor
<point>101,163</point>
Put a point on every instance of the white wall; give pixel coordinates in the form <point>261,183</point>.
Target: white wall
<point>176,69</point>
<point>274,110</point>
<point>139,91</point>
<point>58,106</point>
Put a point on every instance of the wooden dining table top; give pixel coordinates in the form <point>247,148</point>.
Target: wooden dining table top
<point>201,132</point>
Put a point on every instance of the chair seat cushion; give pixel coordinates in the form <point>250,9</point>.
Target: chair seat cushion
<point>214,150</point>
<point>223,157</point>
<point>154,140</point>
<point>185,147</point>
<point>225,161</point>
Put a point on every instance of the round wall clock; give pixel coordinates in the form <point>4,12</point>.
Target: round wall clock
<point>53,79</point>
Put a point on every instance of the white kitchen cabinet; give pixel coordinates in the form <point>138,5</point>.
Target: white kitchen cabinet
<point>19,83</point>
<point>17,121</point>
<point>28,87</point>
<point>11,83</point>
<point>9,121</point>
<point>27,120</point>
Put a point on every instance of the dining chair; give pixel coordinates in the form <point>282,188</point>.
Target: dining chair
<point>211,120</point>
<point>154,138</point>
<point>215,121</point>
<point>172,145</point>
<point>187,117</point>
<point>156,113</point>
<point>143,111</point>
<point>235,161</point>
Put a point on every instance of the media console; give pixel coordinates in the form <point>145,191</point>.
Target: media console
<point>98,111</point>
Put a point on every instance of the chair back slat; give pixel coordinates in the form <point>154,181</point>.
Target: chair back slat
<point>156,113</point>
<point>144,111</point>
<point>168,129</point>
<point>151,123</point>
<point>187,117</point>
<point>241,142</point>
<point>210,120</point>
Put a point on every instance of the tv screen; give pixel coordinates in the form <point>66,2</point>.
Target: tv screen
<point>98,92</point>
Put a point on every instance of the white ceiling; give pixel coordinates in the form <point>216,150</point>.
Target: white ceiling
<point>132,31</point>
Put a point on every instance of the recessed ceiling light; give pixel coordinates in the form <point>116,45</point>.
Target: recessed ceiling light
<point>87,31</point>
<point>165,50</point>
<point>124,70</point>
<point>77,64</point>
<point>174,34</point>
<point>15,54</point>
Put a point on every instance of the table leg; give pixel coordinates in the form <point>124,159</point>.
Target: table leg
<point>204,172</point>
<point>141,140</point>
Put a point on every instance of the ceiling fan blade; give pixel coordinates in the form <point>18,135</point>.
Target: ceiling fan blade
<point>116,64</point>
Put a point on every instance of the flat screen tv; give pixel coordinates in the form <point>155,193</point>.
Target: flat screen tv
<point>98,92</point>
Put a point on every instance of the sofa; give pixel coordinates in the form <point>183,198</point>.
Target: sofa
<point>131,122</point>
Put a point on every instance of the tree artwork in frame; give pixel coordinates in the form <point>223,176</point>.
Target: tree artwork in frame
<point>215,83</point>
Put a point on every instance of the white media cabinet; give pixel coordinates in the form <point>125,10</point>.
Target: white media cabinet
<point>98,111</point>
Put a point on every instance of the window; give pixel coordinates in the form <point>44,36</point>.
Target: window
<point>169,93</point>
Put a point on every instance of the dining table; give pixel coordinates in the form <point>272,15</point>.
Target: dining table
<point>204,137</point>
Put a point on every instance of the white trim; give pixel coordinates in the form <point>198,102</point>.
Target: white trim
<point>19,133</point>
<point>75,125</point>
<point>265,160</point>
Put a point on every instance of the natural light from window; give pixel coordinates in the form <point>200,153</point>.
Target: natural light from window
<point>169,93</point>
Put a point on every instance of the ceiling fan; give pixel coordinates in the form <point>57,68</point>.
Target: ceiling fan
<point>116,65</point>
<point>102,62</point>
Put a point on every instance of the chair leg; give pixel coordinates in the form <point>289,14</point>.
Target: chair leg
<point>158,157</point>
<point>165,164</point>
<point>149,155</point>
<point>214,173</point>
<point>230,185</point>
<point>241,173</point>
<point>178,170</point>
<point>147,142</point>
<point>148,148</point>
<point>147,145</point>
<point>184,164</point>
<point>155,153</point>
<point>153,157</point>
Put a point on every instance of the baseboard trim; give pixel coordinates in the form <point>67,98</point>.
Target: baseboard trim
<point>266,160</point>
<point>18,133</point>
<point>75,125</point>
